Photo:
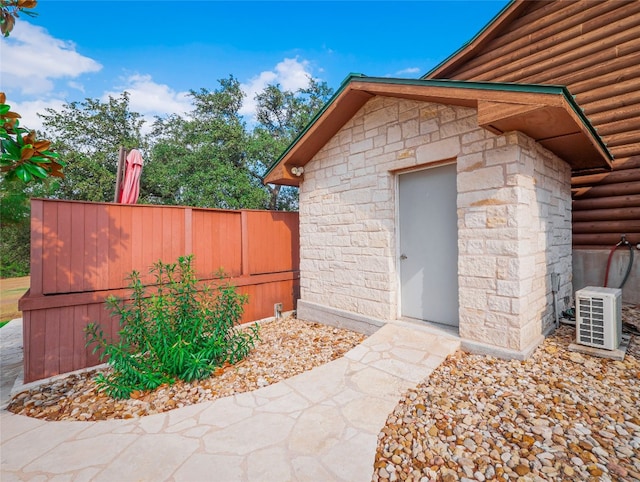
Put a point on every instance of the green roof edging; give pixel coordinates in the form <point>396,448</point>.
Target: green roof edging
<point>464,84</point>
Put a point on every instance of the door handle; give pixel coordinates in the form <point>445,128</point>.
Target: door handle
<point>403,257</point>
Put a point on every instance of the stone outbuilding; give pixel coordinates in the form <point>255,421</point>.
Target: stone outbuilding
<point>440,201</point>
<point>593,49</point>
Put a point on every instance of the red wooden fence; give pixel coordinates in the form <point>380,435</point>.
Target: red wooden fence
<point>82,252</point>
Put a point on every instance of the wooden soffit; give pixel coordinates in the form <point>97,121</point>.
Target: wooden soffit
<point>547,114</point>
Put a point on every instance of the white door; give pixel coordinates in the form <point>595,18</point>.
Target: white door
<point>429,244</point>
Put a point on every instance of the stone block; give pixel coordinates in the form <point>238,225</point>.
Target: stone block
<point>393,148</point>
<point>473,298</point>
<point>380,117</point>
<point>410,129</point>
<point>473,136</point>
<point>478,266</point>
<point>416,141</point>
<point>394,133</point>
<point>361,146</point>
<point>499,303</point>
<point>504,155</point>
<point>429,126</point>
<point>470,162</point>
<point>508,247</point>
<point>478,146</point>
<point>459,126</point>
<point>475,219</point>
<point>438,151</point>
<point>475,246</point>
<point>481,179</point>
<point>487,284</point>
<point>509,288</point>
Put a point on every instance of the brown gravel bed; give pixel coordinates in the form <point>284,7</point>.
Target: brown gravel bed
<point>558,416</point>
<point>286,348</point>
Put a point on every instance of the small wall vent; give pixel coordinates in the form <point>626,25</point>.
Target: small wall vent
<point>599,317</point>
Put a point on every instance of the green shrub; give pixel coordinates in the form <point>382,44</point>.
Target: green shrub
<point>14,249</point>
<point>180,331</point>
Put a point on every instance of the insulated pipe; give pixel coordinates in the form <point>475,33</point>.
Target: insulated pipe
<point>623,242</point>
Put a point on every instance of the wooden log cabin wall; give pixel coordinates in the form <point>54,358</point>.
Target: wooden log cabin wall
<point>592,48</point>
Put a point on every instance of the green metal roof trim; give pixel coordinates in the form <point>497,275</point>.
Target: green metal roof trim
<point>459,84</point>
<point>470,41</point>
<point>343,86</point>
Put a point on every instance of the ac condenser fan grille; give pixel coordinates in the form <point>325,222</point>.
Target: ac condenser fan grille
<point>591,330</point>
<point>599,317</point>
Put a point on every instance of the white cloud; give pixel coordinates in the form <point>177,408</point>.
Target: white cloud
<point>29,111</point>
<point>408,71</point>
<point>32,59</point>
<point>291,74</point>
<point>76,85</point>
<point>151,99</point>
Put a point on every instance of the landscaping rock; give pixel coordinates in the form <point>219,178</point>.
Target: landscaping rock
<point>556,416</point>
<point>286,348</point>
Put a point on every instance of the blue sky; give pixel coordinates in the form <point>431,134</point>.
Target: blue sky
<point>159,50</point>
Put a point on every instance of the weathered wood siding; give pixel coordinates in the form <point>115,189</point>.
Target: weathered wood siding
<point>81,253</point>
<point>593,48</point>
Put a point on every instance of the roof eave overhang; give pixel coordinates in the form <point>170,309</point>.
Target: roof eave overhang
<point>548,114</point>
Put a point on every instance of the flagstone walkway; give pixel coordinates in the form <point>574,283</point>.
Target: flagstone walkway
<point>321,425</point>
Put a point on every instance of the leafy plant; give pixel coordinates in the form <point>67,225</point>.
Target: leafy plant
<point>9,11</point>
<point>178,332</point>
<point>22,155</point>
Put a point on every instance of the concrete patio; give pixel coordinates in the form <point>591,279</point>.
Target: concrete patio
<point>320,425</point>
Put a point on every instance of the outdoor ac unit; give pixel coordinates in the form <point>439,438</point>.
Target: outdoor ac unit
<point>599,317</point>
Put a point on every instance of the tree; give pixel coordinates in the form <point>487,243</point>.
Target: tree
<point>282,115</point>
<point>10,10</point>
<point>88,136</point>
<point>15,228</point>
<point>200,160</point>
<point>23,159</point>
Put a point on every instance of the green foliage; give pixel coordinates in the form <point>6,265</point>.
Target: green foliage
<point>14,249</point>
<point>10,10</point>
<point>200,160</point>
<point>15,226</point>
<point>208,158</point>
<point>282,115</point>
<point>87,135</point>
<point>22,155</point>
<point>176,332</point>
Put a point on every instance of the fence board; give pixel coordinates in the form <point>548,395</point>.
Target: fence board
<point>52,343</point>
<point>80,320</point>
<point>216,242</point>
<point>90,251</point>
<point>276,252</point>
<point>76,241</point>
<point>81,253</point>
<point>49,248</point>
<point>104,249</point>
<point>37,230</point>
<point>67,339</point>
<point>63,262</point>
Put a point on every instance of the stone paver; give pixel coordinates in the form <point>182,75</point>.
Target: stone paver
<point>319,425</point>
<point>11,350</point>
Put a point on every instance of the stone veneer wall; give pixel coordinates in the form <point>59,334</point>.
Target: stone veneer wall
<point>348,209</point>
<point>514,230</point>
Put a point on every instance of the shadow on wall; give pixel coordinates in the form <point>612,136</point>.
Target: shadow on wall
<point>79,247</point>
<point>553,197</point>
<point>589,268</point>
